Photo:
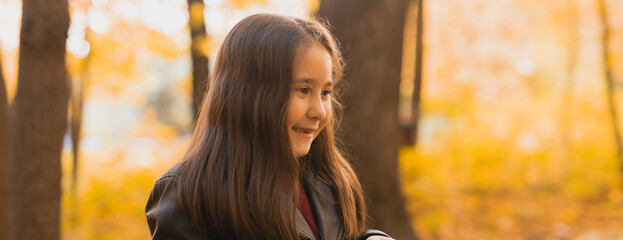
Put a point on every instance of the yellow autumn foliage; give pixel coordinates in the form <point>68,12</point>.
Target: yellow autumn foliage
<point>515,139</point>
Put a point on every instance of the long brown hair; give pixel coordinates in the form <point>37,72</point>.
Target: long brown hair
<point>238,180</point>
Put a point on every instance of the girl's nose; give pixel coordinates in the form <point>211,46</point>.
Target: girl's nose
<point>316,109</point>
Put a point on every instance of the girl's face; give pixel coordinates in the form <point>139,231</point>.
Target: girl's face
<point>309,109</point>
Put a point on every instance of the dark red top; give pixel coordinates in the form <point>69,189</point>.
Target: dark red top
<point>308,214</point>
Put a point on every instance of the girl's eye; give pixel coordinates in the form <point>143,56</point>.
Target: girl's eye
<point>326,92</point>
<point>303,90</point>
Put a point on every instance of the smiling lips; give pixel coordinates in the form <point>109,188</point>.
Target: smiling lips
<point>305,132</point>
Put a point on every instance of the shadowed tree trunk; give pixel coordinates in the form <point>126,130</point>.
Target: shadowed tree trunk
<point>371,33</point>
<point>201,70</point>
<point>4,156</point>
<point>40,120</point>
<point>610,85</point>
<point>417,83</point>
<point>77,102</point>
<point>76,124</point>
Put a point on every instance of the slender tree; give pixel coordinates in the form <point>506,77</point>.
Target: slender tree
<point>75,126</point>
<point>417,83</point>
<point>75,120</point>
<point>200,61</point>
<point>40,120</point>
<point>610,85</point>
<point>4,157</point>
<point>77,103</point>
<point>371,33</point>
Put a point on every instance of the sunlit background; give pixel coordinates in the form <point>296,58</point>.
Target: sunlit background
<point>515,141</point>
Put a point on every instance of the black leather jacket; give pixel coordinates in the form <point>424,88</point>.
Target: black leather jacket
<point>166,220</point>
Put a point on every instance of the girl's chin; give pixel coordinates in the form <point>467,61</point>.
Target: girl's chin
<point>301,152</point>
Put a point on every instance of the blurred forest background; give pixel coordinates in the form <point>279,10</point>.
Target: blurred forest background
<point>503,117</point>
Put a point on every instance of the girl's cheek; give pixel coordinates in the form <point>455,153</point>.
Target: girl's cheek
<point>329,114</point>
<point>329,110</point>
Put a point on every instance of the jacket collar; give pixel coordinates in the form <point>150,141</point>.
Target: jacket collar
<point>303,227</point>
<point>326,211</point>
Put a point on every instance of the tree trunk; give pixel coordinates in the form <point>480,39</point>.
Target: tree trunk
<point>76,125</point>
<point>5,157</point>
<point>371,33</point>
<point>610,86</point>
<point>201,70</point>
<point>77,103</point>
<point>39,120</point>
<point>417,84</point>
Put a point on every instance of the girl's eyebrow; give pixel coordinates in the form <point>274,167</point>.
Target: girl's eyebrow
<point>310,81</point>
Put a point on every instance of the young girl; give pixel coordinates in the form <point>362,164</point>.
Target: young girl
<point>263,161</point>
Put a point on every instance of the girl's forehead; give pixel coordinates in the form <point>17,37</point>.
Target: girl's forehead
<point>304,49</point>
<point>315,67</point>
<point>305,46</point>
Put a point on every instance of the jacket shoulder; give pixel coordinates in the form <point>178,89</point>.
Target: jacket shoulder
<point>164,214</point>
<point>372,232</point>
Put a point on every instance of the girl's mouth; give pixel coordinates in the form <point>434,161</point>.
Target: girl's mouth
<point>305,132</point>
